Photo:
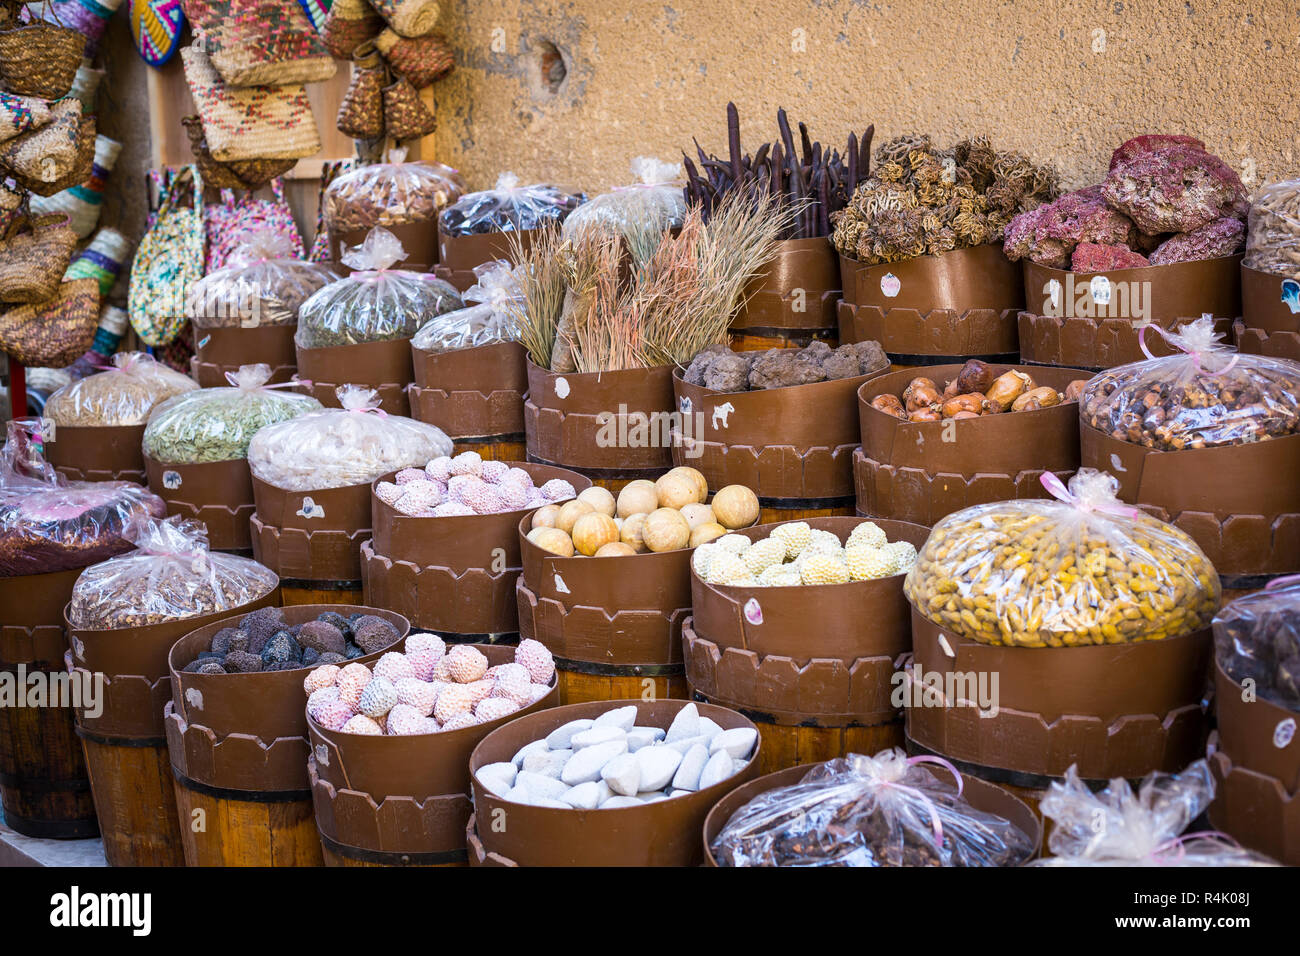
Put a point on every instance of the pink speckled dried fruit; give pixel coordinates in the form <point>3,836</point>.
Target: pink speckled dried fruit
<point>352,680</point>
<point>410,474</point>
<point>320,698</point>
<point>378,698</point>
<point>404,721</point>
<point>494,708</point>
<point>514,497</point>
<point>459,722</point>
<point>535,656</point>
<point>323,676</point>
<point>388,492</point>
<point>480,690</point>
<point>459,485</point>
<point>467,463</point>
<point>466,663</point>
<point>1095,257</point>
<point>517,476</point>
<point>1223,237</point>
<point>441,672</point>
<point>514,683</point>
<point>394,667</point>
<point>334,715</point>
<point>484,499</point>
<point>453,509</point>
<point>1048,234</point>
<point>417,694</point>
<point>493,471</point>
<point>538,691</point>
<point>361,724</point>
<point>454,699</point>
<point>1172,184</point>
<point>425,641</point>
<point>439,469</point>
<point>423,663</point>
<point>557,489</point>
<point>425,495</point>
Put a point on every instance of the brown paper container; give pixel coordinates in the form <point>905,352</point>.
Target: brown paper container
<point>453,575</point>
<point>405,796</point>
<point>90,453</point>
<point>1255,809</point>
<point>1229,499</point>
<point>218,493</point>
<point>959,305</point>
<point>664,833</point>
<point>808,661</point>
<point>978,793</point>
<point>222,350</point>
<point>419,240</point>
<point>907,471</point>
<point>248,732</point>
<point>383,366</point>
<point>1250,732</point>
<point>458,255</point>
<point>1115,710</point>
<point>311,536</point>
<point>1284,345</point>
<point>1175,294</point>
<point>795,294</point>
<point>563,420</point>
<point>1263,305</point>
<point>472,393</point>
<point>31,632</point>
<point>795,442</point>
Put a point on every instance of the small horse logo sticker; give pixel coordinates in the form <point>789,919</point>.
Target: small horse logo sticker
<point>721,413</point>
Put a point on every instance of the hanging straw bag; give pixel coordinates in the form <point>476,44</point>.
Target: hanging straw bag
<point>56,332</point>
<point>42,158</point>
<point>38,58</point>
<point>32,263</point>
<point>18,114</point>
<point>421,60</point>
<point>168,261</point>
<point>349,24</point>
<point>410,18</point>
<point>255,43</point>
<point>242,174</point>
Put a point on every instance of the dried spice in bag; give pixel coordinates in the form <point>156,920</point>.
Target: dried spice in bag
<point>390,194</point>
<point>263,283</point>
<point>171,575</point>
<point>1117,827</point>
<point>488,322</point>
<point>1257,638</point>
<point>1203,396</point>
<point>344,446</point>
<point>48,523</point>
<point>122,395</point>
<point>1273,234</point>
<point>885,810</point>
<point>509,207</point>
<point>1084,569</point>
<point>376,303</point>
<point>654,203</point>
<point>216,424</point>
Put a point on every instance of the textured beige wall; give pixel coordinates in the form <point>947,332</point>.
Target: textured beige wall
<point>1063,81</point>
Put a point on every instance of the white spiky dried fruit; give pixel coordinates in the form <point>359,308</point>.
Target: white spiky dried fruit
<point>701,558</point>
<point>869,534</point>
<point>735,543</point>
<point>823,569</point>
<point>867,563</point>
<point>728,569</point>
<point>903,554</point>
<point>763,554</point>
<point>794,536</point>
<point>780,576</point>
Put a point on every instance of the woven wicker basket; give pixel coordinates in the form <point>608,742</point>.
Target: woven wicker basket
<point>40,59</point>
<point>56,332</point>
<point>421,60</point>
<point>349,24</point>
<point>405,115</point>
<point>32,263</point>
<point>361,114</point>
<point>241,174</point>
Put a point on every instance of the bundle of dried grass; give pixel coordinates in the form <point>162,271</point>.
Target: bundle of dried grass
<point>536,317</point>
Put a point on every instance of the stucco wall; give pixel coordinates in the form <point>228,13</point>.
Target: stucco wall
<point>1063,81</point>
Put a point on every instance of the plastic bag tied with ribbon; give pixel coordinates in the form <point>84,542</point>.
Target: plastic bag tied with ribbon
<point>490,321</point>
<point>1257,638</point>
<point>390,194</point>
<point>655,201</point>
<point>48,523</point>
<point>216,424</point>
<point>510,207</point>
<point>376,303</point>
<point>337,447</point>
<point>1117,827</point>
<point>262,283</point>
<point>170,575</point>
<point>1204,396</point>
<point>124,393</point>
<point>886,810</point>
<point>1082,568</point>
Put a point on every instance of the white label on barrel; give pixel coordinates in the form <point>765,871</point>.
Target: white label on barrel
<point>753,612</point>
<point>890,285</point>
<point>1054,291</point>
<point>310,509</point>
<point>947,648</point>
<point>79,648</point>
<point>721,413</point>
<point>1116,463</point>
<point>685,405</point>
<point>204,341</point>
<point>194,698</point>
<point>322,755</point>
<point>171,480</point>
<point>560,585</point>
<point>1100,288</point>
<point>562,387</point>
<point>1283,732</point>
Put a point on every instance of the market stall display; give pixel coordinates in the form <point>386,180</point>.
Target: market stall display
<point>1270,274</point>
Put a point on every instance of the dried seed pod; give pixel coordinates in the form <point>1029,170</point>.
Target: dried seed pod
<point>920,396</point>
<point>890,405</point>
<point>952,390</point>
<point>962,403</point>
<point>1074,390</point>
<point>964,414</point>
<point>1043,397</point>
<point>1009,386</point>
<point>975,376</point>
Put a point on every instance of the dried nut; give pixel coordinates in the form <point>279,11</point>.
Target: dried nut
<point>924,415</point>
<point>921,396</point>
<point>975,376</point>
<point>1074,390</point>
<point>952,390</point>
<point>962,403</point>
<point>990,407</point>
<point>890,405</point>
<point>1008,387</point>
<point>1043,397</point>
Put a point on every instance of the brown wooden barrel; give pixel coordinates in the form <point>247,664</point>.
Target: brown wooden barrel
<point>218,493</point>
<point>238,748</point>
<point>126,745</point>
<point>320,594</point>
<point>399,801</point>
<point>792,302</point>
<point>90,453</point>
<point>613,624</point>
<point>662,833</point>
<point>382,366</point>
<point>476,396</point>
<point>43,781</point>
<point>218,351</point>
<point>311,539</point>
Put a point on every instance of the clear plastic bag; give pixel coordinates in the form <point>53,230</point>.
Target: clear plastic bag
<point>1257,637</point>
<point>489,322</point>
<point>1204,396</point>
<point>885,810</point>
<point>1273,232</point>
<point>655,202</point>
<point>344,446</point>
<point>263,283</point>
<point>377,303</point>
<point>171,575</point>
<point>1085,569</point>
<point>122,395</point>
<point>390,194</point>
<point>48,523</point>
<point>509,207</point>
<point>1117,827</point>
<point>216,424</point>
